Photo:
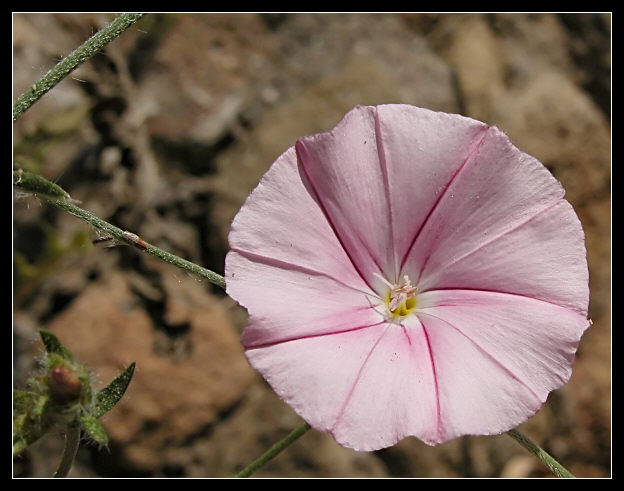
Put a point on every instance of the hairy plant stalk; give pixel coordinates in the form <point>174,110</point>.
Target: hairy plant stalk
<point>543,456</point>
<point>274,450</point>
<point>56,196</point>
<point>72,61</point>
<point>72,439</point>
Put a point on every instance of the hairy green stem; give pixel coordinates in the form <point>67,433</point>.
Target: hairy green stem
<point>274,450</point>
<point>71,61</point>
<point>545,458</point>
<point>55,195</point>
<point>72,440</point>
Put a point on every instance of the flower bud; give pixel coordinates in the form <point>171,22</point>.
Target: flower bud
<point>64,383</point>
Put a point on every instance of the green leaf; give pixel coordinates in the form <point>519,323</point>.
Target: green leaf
<point>108,397</point>
<point>31,418</point>
<point>53,345</point>
<point>37,184</point>
<point>93,428</point>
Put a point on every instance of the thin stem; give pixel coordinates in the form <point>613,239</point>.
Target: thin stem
<point>545,458</point>
<point>51,193</point>
<point>274,450</point>
<point>71,61</point>
<point>72,439</point>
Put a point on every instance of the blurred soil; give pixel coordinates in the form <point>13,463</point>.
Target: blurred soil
<point>166,132</point>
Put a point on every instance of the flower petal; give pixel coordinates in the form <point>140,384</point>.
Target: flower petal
<point>316,390</point>
<point>374,386</point>
<point>502,225</point>
<point>281,220</point>
<point>543,258</point>
<point>476,395</point>
<point>535,341</point>
<point>394,396</point>
<point>287,302</point>
<point>423,150</point>
<point>345,172</point>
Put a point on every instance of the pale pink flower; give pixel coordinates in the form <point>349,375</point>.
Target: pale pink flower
<point>409,273</point>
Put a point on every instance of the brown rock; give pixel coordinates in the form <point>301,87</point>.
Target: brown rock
<point>508,78</point>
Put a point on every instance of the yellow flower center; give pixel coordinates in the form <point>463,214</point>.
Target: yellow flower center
<point>401,300</point>
<point>404,309</point>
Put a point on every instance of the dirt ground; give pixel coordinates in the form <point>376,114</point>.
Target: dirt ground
<point>166,132</point>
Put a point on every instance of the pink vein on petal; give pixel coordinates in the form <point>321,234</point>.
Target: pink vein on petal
<point>435,376</point>
<point>278,263</point>
<point>475,144</point>
<point>494,239</point>
<point>409,341</point>
<point>486,353</point>
<point>498,292</point>
<point>358,376</point>
<point>309,336</point>
<point>317,196</point>
<point>384,171</point>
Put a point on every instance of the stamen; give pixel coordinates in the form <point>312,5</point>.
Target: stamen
<point>400,293</point>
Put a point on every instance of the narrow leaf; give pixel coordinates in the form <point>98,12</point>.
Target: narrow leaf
<point>37,184</point>
<point>108,397</point>
<point>93,428</point>
<point>53,345</point>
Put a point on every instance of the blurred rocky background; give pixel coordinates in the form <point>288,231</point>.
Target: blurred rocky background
<point>166,132</point>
